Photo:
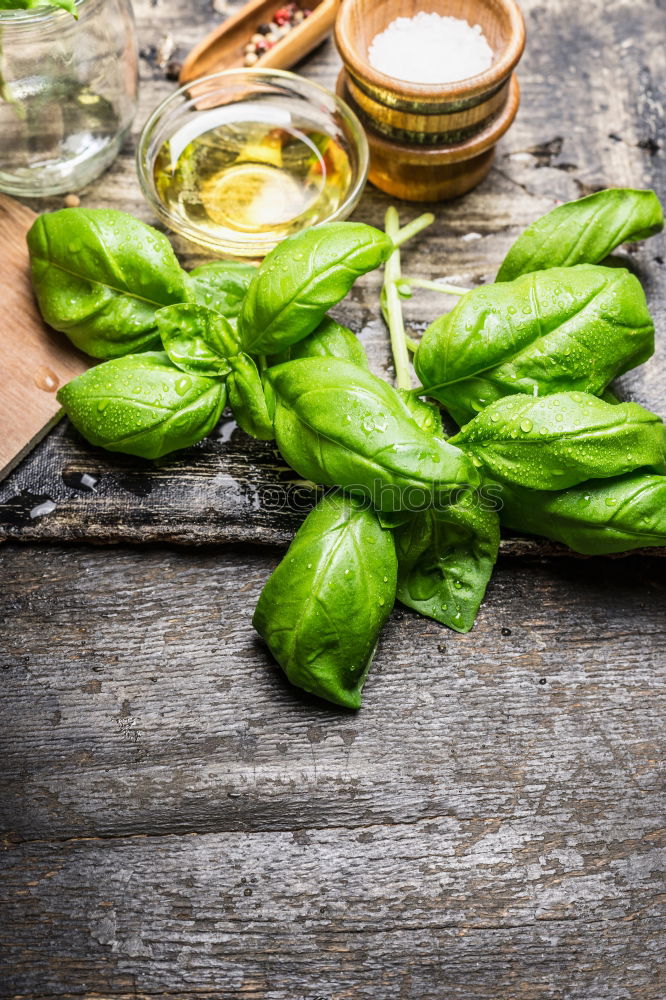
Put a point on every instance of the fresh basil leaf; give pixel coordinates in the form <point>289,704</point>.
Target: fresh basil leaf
<point>426,413</point>
<point>584,231</point>
<point>445,560</point>
<point>100,276</point>
<point>330,340</point>
<point>323,608</point>
<point>339,425</point>
<point>566,328</point>
<point>597,517</point>
<point>198,340</point>
<point>142,405</point>
<point>220,285</point>
<point>395,519</point>
<point>553,442</point>
<point>301,278</point>
<point>68,5</point>
<point>247,399</point>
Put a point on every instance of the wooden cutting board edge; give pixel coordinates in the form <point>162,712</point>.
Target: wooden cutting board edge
<point>34,360</point>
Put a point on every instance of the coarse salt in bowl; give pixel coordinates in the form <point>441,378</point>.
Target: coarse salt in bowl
<point>430,48</point>
<point>360,22</point>
<point>431,140</point>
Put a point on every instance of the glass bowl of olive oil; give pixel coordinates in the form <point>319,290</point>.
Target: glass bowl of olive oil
<point>237,161</point>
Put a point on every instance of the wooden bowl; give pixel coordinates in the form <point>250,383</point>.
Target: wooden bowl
<point>433,173</point>
<point>423,129</point>
<point>427,114</point>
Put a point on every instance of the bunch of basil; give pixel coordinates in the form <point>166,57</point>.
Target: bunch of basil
<point>522,365</point>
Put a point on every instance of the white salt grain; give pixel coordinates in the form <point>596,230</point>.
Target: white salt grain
<point>47,507</point>
<point>430,48</point>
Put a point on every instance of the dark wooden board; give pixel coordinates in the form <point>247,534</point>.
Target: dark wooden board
<point>181,823</point>
<point>592,115</point>
<point>228,489</point>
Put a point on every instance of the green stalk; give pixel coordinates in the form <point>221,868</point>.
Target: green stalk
<point>436,286</point>
<point>393,309</point>
<point>411,229</point>
<point>5,89</point>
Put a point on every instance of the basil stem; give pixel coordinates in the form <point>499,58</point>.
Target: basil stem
<point>436,286</point>
<point>412,228</point>
<point>393,308</point>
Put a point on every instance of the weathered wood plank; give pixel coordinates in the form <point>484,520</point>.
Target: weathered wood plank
<point>594,92</point>
<point>488,825</point>
<point>442,909</point>
<point>137,698</point>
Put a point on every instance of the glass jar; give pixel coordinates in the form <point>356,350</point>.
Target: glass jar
<point>68,92</point>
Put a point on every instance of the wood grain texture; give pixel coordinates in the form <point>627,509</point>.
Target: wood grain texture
<point>180,822</point>
<point>382,912</point>
<point>34,361</point>
<point>592,115</point>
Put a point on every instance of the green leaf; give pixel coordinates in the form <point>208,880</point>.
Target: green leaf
<point>553,442</point>
<point>445,560</point>
<point>566,328</point>
<point>220,285</point>
<point>247,399</point>
<point>100,276</point>
<point>584,231</point>
<point>395,519</point>
<point>142,405</point>
<point>426,413</point>
<point>302,278</point>
<point>68,5</point>
<point>330,340</point>
<point>339,425</point>
<point>198,340</point>
<point>323,608</point>
<point>597,517</point>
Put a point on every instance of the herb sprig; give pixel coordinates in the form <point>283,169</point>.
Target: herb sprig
<point>522,366</point>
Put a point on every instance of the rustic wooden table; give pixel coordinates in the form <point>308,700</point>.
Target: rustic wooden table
<point>181,824</point>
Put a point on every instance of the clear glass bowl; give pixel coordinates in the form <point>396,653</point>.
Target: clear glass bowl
<point>68,93</point>
<point>237,161</point>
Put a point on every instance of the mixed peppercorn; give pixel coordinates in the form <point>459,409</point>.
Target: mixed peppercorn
<point>267,35</point>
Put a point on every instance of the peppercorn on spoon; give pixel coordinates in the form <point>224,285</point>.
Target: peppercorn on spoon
<point>225,46</point>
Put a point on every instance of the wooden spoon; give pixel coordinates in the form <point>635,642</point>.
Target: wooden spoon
<point>224,48</point>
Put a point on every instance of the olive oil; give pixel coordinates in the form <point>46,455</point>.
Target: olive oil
<point>246,171</point>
